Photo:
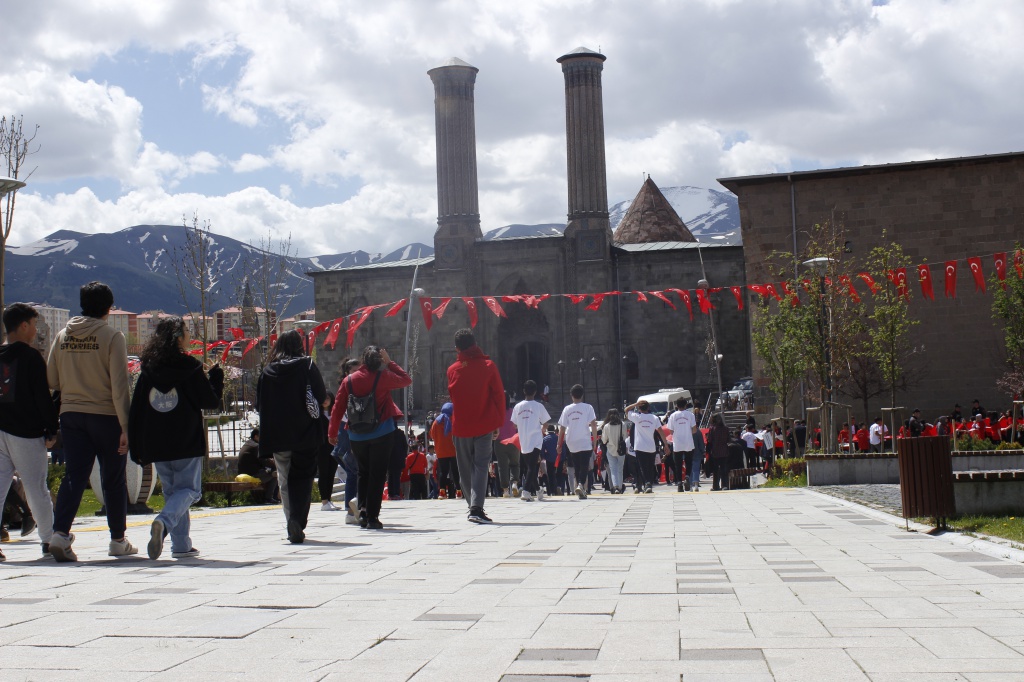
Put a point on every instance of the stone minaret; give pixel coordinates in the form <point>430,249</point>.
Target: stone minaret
<point>584,133</point>
<point>458,206</point>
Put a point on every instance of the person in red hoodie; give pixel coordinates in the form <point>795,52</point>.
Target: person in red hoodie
<point>478,399</point>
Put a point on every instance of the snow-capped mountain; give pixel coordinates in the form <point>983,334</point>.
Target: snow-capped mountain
<point>711,215</point>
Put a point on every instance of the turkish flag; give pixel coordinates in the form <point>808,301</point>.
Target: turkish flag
<point>252,343</point>
<point>227,349</point>
<point>898,277</point>
<point>495,307</point>
<point>737,292</point>
<point>951,279</point>
<point>332,337</point>
<point>1000,261</point>
<point>870,281</point>
<point>684,296</point>
<point>662,297</point>
<point>576,298</point>
<point>471,307</point>
<point>794,300</point>
<point>770,288</point>
<point>596,303</point>
<point>979,277</point>
<point>439,310</point>
<point>1018,263</point>
<point>237,333</point>
<point>396,308</point>
<point>310,342</point>
<point>427,308</point>
<point>924,274</point>
<point>641,297</point>
<point>844,280</point>
<point>516,298</point>
<point>759,289</point>
<point>535,301</point>
<point>704,302</point>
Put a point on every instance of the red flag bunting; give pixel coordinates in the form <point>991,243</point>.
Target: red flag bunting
<point>1000,263</point>
<point>471,308</point>
<point>237,333</point>
<point>794,300</point>
<point>901,283</point>
<point>576,298</point>
<point>704,302</point>
<point>924,275</point>
<point>332,337</point>
<point>759,289</point>
<point>979,277</point>
<point>273,340</point>
<point>870,281</point>
<point>770,288</point>
<point>427,308</point>
<point>535,301</point>
<point>227,349</point>
<point>684,296</point>
<point>515,298</point>
<point>662,297</point>
<point>252,344</point>
<point>350,330</point>
<point>641,297</point>
<point>1018,263</point>
<point>844,280</point>
<point>396,308</point>
<point>439,310</point>
<point>596,303</point>
<point>737,292</point>
<point>495,307</point>
<point>310,341</point>
<point>951,279</point>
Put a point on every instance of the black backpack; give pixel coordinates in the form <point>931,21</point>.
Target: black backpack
<point>362,410</point>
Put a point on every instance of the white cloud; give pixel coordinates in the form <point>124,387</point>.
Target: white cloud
<point>250,162</point>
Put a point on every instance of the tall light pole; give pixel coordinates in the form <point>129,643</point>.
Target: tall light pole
<point>415,294</point>
<point>703,284</point>
<point>560,365</point>
<point>305,326</point>
<point>582,365</point>
<point>595,362</point>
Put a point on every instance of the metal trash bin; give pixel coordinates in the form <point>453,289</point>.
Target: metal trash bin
<point>926,478</point>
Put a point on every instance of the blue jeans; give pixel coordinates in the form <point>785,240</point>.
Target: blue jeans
<point>182,481</point>
<point>615,463</point>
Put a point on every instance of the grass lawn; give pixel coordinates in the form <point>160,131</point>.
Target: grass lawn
<point>787,481</point>
<point>1008,527</point>
<point>90,505</point>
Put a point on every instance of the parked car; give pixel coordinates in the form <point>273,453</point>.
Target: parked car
<point>739,396</point>
<point>664,400</point>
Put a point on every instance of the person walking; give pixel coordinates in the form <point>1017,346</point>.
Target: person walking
<point>682,425</point>
<point>289,396</point>
<point>342,451</point>
<point>645,425</point>
<point>478,409</point>
<point>613,435</point>
<point>326,464</point>
<point>718,447</point>
<point>88,364</point>
<point>577,433</point>
<point>549,452</point>
<point>416,465</point>
<point>529,416</point>
<point>447,463</point>
<point>28,420</point>
<point>166,428</point>
<point>371,414</point>
<point>506,456</point>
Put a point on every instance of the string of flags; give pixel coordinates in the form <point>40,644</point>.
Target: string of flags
<point>436,307</point>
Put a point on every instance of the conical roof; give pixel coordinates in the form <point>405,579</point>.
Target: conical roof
<point>651,218</point>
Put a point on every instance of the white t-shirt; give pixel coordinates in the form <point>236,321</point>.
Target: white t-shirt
<point>681,424</point>
<point>529,416</point>
<point>576,419</point>
<point>646,424</point>
<point>875,433</point>
<point>750,438</point>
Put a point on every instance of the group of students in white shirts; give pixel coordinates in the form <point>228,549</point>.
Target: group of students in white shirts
<point>578,442</point>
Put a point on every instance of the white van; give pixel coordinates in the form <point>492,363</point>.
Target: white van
<point>664,400</point>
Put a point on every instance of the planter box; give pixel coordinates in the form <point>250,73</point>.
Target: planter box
<point>989,492</point>
<point>871,467</point>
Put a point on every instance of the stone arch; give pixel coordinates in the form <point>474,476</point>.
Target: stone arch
<point>524,341</point>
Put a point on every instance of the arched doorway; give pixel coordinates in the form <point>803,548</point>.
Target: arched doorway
<point>524,343</point>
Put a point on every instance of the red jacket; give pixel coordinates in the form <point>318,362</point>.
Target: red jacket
<point>477,394</point>
<point>391,377</point>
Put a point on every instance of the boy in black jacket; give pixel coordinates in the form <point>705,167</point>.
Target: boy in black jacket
<point>28,417</point>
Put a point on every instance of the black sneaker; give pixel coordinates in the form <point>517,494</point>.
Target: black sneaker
<point>687,485</point>
<point>362,519</point>
<point>485,518</point>
<point>28,524</point>
<point>296,536</point>
<point>374,524</point>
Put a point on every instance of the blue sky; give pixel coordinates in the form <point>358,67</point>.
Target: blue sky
<point>315,117</point>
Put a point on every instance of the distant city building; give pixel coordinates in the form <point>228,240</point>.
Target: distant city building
<point>196,324</point>
<point>234,317</point>
<point>125,322</point>
<point>146,323</point>
<point>288,323</point>
<point>53,320</point>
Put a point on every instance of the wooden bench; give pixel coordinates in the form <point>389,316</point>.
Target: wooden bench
<point>229,488</point>
<point>740,478</point>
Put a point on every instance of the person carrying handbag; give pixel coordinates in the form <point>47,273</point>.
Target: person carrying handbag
<point>289,396</point>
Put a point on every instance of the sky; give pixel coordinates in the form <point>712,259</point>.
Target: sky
<point>315,117</point>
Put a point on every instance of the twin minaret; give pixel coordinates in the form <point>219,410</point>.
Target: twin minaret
<point>458,206</point>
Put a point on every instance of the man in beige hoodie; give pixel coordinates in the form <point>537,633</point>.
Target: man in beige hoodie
<point>88,364</point>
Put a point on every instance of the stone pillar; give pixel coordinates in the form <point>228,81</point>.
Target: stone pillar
<point>458,207</point>
<point>584,132</point>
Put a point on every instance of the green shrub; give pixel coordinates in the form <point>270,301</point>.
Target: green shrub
<point>54,475</point>
<point>1009,446</point>
<point>788,466</point>
<point>971,444</point>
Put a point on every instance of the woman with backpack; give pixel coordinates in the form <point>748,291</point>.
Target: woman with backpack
<point>365,398</point>
<point>613,436</point>
<point>166,427</point>
<point>289,396</point>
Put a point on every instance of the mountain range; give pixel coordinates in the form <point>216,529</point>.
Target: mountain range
<point>139,262</point>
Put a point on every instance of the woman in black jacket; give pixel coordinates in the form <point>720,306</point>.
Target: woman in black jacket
<point>166,427</point>
<point>718,450</point>
<point>289,396</point>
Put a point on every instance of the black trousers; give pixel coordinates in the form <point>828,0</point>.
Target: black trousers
<point>532,462</point>
<point>417,486</point>
<point>87,438</point>
<point>326,466</point>
<point>552,478</point>
<point>721,475</point>
<point>295,472</point>
<point>646,462</point>
<point>399,451</point>
<point>581,466</point>
<point>373,457</point>
<point>448,475</point>
<point>677,467</point>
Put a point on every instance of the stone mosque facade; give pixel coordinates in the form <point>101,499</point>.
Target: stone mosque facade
<point>618,352</point>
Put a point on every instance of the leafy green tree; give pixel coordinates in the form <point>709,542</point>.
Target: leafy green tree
<point>1007,304</point>
<point>778,341</point>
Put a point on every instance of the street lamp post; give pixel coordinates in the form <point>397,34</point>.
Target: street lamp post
<point>703,284</point>
<point>582,365</point>
<point>415,294</point>
<point>625,377</point>
<point>595,362</point>
<point>560,365</point>
<point>305,326</point>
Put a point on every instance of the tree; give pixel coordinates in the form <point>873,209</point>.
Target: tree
<point>267,269</point>
<point>778,341</point>
<point>890,320</point>
<point>193,267</point>
<point>863,381</point>
<point>15,148</point>
<point>1007,304</point>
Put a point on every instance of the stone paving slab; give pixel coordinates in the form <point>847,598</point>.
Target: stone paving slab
<point>738,586</point>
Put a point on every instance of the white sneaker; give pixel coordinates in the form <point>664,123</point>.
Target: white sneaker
<point>526,496</point>
<point>60,547</point>
<point>507,493</point>
<point>121,548</point>
<point>515,490</point>
<point>353,508</point>
<point>540,495</point>
<point>328,506</point>
<point>351,519</point>
<point>579,492</point>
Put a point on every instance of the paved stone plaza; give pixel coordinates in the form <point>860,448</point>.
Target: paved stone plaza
<point>741,586</point>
